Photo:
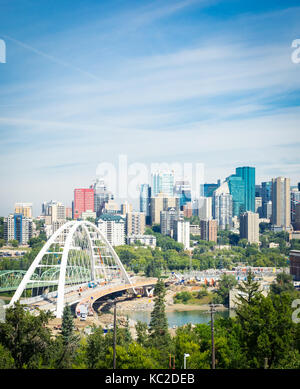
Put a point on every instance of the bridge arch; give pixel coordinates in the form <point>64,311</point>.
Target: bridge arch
<point>77,253</point>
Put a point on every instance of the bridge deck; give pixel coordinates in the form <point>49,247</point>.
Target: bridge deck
<point>73,296</point>
<point>96,294</point>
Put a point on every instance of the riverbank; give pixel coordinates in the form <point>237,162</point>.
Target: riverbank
<point>146,304</point>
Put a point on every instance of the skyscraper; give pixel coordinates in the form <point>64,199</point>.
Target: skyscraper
<point>24,208</point>
<point>83,201</point>
<point>208,189</point>
<point>248,175</point>
<point>209,230</point>
<point>101,195</point>
<point>266,196</point>
<point>182,189</point>
<point>237,189</point>
<point>18,227</point>
<point>126,208</point>
<point>182,232</point>
<point>113,228</point>
<point>204,208</point>
<point>167,221</point>
<point>163,182</point>
<point>135,223</point>
<point>249,227</point>
<point>145,196</point>
<point>161,203</point>
<point>295,199</point>
<point>222,206</point>
<point>53,211</point>
<point>258,206</point>
<point>281,202</point>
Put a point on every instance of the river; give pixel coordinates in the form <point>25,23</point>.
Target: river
<point>178,318</point>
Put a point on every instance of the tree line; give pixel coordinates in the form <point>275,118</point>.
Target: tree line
<point>262,334</point>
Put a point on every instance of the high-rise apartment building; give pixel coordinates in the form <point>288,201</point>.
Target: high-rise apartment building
<point>161,203</point>
<point>163,182</point>
<point>249,227</point>
<point>222,206</point>
<point>135,223</point>
<point>83,201</point>
<point>24,208</point>
<point>209,230</point>
<point>113,228</point>
<point>182,232</point>
<point>248,175</point>
<point>17,227</point>
<point>167,221</point>
<point>281,202</point>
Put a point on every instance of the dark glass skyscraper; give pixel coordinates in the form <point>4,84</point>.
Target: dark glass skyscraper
<point>237,190</point>
<point>248,175</point>
<point>145,196</point>
<point>208,189</point>
<point>266,197</point>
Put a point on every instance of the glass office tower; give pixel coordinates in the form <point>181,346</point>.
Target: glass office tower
<point>163,183</point>
<point>237,190</point>
<point>145,196</point>
<point>248,175</point>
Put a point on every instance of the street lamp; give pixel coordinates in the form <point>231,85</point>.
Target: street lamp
<point>184,360</point>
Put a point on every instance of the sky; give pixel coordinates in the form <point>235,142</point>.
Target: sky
<point>175,81</point>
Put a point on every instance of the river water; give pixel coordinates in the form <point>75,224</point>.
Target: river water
<point>178,318</point>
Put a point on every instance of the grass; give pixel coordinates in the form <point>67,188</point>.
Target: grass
<point>192,298</point>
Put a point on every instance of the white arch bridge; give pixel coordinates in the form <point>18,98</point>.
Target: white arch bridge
<point>76,264</point>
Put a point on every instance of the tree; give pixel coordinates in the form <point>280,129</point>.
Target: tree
<point>14,243</point>
<point>6,359</point>
<point>142,333</point>
<point>226,283</point>
<point>68,341</point>
<point>248,289</point>
<point>2,242</point>
<point>26,336</point>
<point>159,334</point>
<point>267,330</point>
<point>283,283</point>
<point>153,269</point>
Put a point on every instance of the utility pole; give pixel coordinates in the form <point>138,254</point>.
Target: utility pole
<point>115,334</point>
<point>172,359</point>
<point>213,360</point>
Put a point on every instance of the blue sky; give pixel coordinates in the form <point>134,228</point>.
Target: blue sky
<point>160,81</point>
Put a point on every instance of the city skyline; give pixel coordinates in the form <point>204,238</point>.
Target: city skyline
<point>38,207</point>
<point>183,81</point>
